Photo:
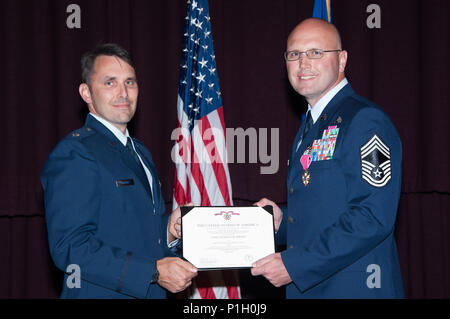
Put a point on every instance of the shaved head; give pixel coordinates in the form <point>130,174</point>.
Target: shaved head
<point>318,26</point>
<point>313,78</point>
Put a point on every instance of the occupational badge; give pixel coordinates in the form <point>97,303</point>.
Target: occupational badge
<point>376,162</point>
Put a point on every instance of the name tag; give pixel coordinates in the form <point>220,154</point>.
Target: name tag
<point>124,182</point>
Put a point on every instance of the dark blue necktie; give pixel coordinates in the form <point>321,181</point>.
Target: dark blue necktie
<point>308,124</point>
<point>133,153</point>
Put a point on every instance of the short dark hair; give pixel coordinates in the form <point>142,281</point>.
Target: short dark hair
<point>109,49</point>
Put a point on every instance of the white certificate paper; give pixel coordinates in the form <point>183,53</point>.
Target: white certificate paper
<point>226,237</point>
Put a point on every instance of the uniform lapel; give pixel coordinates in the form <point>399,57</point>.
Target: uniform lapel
<point>151,167</point>
<point>129,161</point>
<point>292,164</point>
<point>296,167</point>
<point>116,146</point>
<point>315,132</point>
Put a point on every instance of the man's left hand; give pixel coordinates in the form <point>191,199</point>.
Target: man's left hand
<point>175,223</point>
<point>272,268</point>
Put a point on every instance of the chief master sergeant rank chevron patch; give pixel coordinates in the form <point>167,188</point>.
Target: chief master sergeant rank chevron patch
<point>376,162</point>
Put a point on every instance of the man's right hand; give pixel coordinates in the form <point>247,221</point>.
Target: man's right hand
<point>175,274</point>
<point>277,213</point>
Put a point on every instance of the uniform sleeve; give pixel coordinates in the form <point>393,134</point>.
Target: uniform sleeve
<point>371,204</point>
<point>72,204</point>
<point>280,236</point>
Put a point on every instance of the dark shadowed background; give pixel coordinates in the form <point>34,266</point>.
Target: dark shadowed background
<point>403,67</point>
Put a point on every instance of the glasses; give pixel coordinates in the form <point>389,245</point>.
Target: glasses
<point>311,54</point>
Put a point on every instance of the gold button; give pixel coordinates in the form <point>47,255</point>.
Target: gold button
<point>291,190</point>
<point>75,134</point>
<point>290,246</point>
<point>159,241</point>
<point>290,220</point>
<point>88,129</point>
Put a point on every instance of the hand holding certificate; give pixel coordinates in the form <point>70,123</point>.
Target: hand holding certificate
<point>226,237</point>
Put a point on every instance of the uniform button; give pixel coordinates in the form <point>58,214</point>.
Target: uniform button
<point>159,241</point>
<point>290,220</point>
<point>290,246</point>
<point>291,190</point>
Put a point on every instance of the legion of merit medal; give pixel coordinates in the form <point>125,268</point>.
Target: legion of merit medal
<point>306,160</point>
<point>306,177</point>
<point>320,150</point>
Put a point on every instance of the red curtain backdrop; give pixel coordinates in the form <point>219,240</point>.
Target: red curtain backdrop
<point>403,66</point>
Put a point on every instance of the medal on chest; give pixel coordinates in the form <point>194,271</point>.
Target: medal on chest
<point>320,150</point>
<point>306,160</point>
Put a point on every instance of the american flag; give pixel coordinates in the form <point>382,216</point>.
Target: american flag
<point>200,155</point>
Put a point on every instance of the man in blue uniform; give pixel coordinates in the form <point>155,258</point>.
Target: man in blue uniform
<point>104,209</point>
<point>343,183</point>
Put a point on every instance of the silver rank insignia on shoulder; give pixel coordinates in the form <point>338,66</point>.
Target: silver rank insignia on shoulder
<point>376,162</point>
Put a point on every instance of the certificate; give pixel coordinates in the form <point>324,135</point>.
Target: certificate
<point>226,237</point>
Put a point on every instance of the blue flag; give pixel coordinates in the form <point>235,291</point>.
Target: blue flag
<point>322,10</point>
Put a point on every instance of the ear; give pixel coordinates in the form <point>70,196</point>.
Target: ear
<point>342,61</point>
<point>85,93</point>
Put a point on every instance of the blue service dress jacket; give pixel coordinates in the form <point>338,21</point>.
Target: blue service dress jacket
<point>339,227</point>
<point>102,217</point>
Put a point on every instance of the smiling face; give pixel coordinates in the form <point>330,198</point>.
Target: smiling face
<point>313,78</point>
<point>113,91</point>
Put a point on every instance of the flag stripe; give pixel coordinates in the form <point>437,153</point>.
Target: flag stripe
<point>202,170</point>
<point>200,154</point>
<point>223,152</point>
<point>217,162</point>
